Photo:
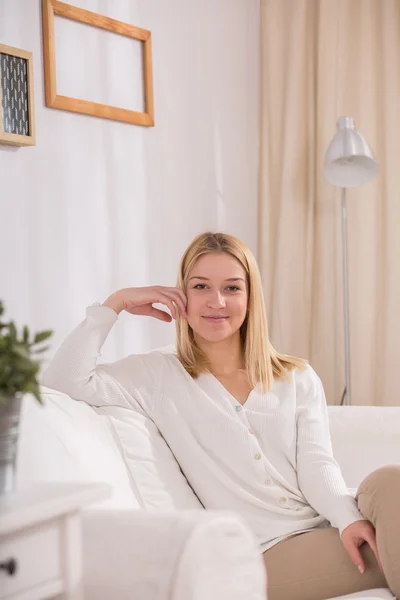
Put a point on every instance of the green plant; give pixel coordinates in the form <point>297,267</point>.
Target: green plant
<point>19,366</point>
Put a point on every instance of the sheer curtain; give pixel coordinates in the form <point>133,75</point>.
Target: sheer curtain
<point>322,59</point>
<point>98,205</point>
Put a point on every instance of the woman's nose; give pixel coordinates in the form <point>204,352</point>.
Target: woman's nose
<point>216,300</point>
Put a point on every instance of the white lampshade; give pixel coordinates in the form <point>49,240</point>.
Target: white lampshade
<point>349,161</point>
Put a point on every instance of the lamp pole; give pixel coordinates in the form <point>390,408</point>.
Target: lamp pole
<point>345,270</point>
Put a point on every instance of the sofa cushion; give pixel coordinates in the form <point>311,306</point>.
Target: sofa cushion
<point>375,594</point>
<point>66,441</point>
<point>156,477</point>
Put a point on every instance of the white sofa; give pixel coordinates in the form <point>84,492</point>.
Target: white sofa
<point>152,540</point>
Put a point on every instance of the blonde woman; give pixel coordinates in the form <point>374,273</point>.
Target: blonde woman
<point>248,425</point>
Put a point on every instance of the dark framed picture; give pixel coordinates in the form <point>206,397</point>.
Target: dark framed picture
<point>17,123</point>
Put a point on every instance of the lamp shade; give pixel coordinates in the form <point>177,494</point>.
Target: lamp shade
<point>349,161</point>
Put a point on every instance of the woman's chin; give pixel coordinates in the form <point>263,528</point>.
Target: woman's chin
<point>213,336</point>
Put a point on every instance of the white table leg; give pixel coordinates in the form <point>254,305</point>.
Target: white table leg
<point>71,561</point>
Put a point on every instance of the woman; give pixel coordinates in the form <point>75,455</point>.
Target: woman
<point>248,425</point>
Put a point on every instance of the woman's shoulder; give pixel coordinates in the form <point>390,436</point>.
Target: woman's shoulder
<point>305,376</point>
<point>307,383</point>
<point>303,379</point>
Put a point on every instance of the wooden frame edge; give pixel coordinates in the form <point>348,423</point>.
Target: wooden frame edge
<point>96,20</point>
<point>49,53</point>
<point>15,139</point>
<point>105,111</point>
<point>50,8</point>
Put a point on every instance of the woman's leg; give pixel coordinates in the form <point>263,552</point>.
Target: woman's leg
<point>379,501</point>
<point>315,566</point>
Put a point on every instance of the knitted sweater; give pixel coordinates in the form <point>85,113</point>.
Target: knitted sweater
<point>269,460</point>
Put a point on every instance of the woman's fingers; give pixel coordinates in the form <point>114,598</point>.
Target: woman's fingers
<point>355,555</point>
<point>177,297</point>
<point>371,540</point>
<point>168,301</point>
<point>139,301</point>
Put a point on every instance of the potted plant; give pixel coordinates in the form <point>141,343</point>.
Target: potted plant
<point>19,368</point>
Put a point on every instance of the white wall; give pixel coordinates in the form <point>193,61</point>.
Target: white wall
<point>98,205</point>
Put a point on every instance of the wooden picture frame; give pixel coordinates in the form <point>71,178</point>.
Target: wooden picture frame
<point>50,8</point>
<point>17,110</point>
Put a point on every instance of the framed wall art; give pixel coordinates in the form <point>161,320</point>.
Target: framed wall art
<point>17,123</point>
<point>54,8</point>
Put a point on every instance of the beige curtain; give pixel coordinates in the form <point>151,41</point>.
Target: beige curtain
<point>322,59</point>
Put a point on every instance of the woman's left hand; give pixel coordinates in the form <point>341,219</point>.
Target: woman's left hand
<point>354,536</point>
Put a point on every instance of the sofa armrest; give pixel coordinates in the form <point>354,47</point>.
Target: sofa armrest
<point>185,555</point>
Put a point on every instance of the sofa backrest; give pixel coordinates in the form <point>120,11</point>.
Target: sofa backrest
<point>67,441</point>
<point>364,438</point>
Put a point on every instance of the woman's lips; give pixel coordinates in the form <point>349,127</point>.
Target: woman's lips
<point>215,319</point>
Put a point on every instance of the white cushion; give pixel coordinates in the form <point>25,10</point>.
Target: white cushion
<point>376,594</point>
<point>364,438</point>
<point>156,477</point>
<point>178,555</point>
<point>65,440</point>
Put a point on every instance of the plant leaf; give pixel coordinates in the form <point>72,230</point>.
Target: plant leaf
<point>41,350</point>
<point>42,335</point>
<point>22,351</point>
<point>19,370</point>
<point>12,333</point>
<point>33,388</point>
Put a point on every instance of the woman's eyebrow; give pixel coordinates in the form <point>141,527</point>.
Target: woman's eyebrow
<point>207,278</point>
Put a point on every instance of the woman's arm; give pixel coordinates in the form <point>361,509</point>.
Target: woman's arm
<point>129,381</point>
<point>74,370</point>
<point>319,475</point>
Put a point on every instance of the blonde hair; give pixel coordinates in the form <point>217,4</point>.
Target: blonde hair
<point>262,362</point>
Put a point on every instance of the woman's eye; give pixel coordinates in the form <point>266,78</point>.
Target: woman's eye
<point>233,288</point>
<point>200,286</point>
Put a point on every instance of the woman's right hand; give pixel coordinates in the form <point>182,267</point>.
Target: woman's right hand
<point>139,301</point>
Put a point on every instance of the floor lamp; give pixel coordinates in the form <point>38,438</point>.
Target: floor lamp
<point>349,162</point>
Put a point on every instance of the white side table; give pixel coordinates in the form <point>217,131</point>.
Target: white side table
<point>40,540</point>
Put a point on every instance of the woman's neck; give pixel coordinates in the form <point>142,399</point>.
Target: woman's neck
<point>225,357</point>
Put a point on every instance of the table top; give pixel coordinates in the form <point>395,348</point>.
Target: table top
<point>33,503</point>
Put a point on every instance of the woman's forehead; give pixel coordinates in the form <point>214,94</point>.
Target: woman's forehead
<point>217,264</point>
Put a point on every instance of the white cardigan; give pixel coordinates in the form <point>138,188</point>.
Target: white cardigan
<point>269,460</point>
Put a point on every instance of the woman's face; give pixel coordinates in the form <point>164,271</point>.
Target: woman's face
<point>216,296</point>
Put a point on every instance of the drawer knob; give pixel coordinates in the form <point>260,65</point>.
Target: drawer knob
<point>9,566</point>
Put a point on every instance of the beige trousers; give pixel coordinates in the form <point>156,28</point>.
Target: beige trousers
<point>315,565</point>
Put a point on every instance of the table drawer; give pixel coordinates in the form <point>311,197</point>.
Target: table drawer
<point>36,552</point>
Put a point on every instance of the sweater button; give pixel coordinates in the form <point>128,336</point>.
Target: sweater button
<point>282,500</point>
<point>257,456</point>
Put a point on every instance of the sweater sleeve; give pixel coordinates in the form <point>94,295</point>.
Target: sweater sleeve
<point>319,475</point>
<point>128,383</point>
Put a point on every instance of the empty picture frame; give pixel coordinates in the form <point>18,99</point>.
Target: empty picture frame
<point>50,8</point>
<point>17,117</point>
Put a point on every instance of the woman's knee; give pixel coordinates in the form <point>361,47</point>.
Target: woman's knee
<point>381,481</point>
